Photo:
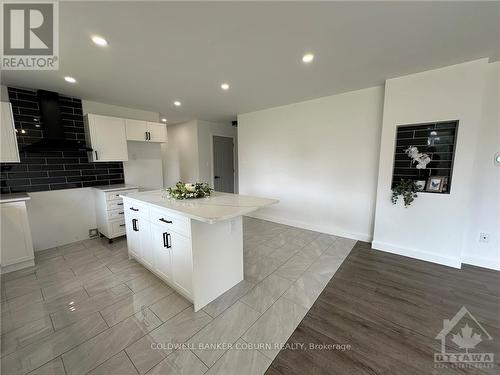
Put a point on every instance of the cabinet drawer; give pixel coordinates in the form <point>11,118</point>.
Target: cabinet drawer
<point>115,195</point>
<point>170,221</point>
<point>114,205</point>
<point>136,210</point>
<point>117,227</point>
<point>116,214</point>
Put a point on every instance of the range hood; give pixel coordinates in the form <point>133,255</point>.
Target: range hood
<point>53,129</point>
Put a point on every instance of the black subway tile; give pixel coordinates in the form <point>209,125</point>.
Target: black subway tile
<point>48,180</point>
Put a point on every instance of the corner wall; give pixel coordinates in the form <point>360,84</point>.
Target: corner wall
<point>319,158</point>
<point>432,228</point>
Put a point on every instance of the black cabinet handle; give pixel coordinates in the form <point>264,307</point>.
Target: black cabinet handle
<point>166,221</point>
<point>122,225</point>
<point>96,155</point>
<point>149,136</point>
<point>216,177</point>
<point>120,213</point>
<point>119,204</point>
<point>146,136</point>
<point>133,209</point>
<point>134,225</point>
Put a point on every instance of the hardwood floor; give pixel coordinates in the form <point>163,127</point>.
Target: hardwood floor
<point>389,309</point>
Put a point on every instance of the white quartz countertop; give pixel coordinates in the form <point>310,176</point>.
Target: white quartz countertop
<point>16,197</point>
<point>115,187</point>
<point>217,207</point>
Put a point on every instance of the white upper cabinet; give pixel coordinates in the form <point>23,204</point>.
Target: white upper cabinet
<point>107,137</point>
<point>9,150</point>
<point>138,130</point>
<point>157,132</point>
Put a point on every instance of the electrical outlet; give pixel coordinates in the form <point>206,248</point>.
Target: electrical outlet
<point>484,237</point>
<point>93,233</point>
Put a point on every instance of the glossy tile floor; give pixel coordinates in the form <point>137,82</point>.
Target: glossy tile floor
<point>86,308</point>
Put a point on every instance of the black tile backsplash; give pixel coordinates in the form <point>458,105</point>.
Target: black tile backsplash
<point>437,140</point>
<point>55,169</point>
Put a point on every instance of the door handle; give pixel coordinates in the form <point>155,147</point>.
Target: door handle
<point>96,155</point>
<point>166,240</point>
<point>166,221</point>
<point>134,225</point>
<point>146,136</point>
<point>134,209</point>
<point>149,136</point>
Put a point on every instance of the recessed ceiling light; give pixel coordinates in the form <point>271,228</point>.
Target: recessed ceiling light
<point>177,103</point>
<point>164,119</point>
<point>99,40</point>
<point>307,58</point>
<point>224,86</point>
<point>70,79</point>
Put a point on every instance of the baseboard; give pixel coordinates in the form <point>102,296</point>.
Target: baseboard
<point>417,254</point>
<point>481,262</point>
<point>17,266</point>
<point>316,228</point>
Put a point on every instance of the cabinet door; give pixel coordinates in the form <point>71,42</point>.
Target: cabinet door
<point>157,132</point>
<point>182,264</point>
<point>133,239</point>
<point>146,250</point>
<point>108,138</point>
<point>136,130</point>
<point>162,253</point>
<point>16,242</point>
<point>9,151</point>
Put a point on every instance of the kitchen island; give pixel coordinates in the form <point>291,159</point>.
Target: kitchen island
<point>194,245</point>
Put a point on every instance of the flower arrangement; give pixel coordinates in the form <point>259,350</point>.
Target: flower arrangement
<point>408,189</point>
<point>188,191</point>
<point>417,157</point>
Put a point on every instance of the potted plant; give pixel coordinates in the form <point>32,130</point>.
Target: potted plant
<point>406,188</point>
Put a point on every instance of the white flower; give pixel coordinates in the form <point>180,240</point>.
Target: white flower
<point>190,187</point>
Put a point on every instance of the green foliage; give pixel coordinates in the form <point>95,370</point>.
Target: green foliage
<point>408,189</point>
<point>188,191</point>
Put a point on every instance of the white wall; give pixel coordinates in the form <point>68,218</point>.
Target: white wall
<point>432,228</point>
<point>485,182</point>
<point>180,154</point>
<point>319,158</point>
<point>205,149</point>
<point>61,216</point>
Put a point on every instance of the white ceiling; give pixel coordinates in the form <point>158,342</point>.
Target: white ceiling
<point>164,51</point>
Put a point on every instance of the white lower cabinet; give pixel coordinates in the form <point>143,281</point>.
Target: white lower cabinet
<point>182,265</point>
<point>16,243</point>
<point>164,251</point>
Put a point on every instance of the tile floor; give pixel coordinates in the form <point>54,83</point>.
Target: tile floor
<point>85,308</point>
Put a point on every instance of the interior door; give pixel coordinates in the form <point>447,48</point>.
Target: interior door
<point>223,164</point>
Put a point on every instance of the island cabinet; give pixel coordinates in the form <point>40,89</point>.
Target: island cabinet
<point>195,246</point>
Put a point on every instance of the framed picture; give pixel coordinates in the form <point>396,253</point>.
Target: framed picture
<point>435,184</point>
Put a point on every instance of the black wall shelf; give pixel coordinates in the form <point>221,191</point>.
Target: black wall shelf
<point>437,140</point>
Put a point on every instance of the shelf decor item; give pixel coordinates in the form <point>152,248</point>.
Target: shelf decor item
<point>436,184</point>
<point>189,191</point>
<point>408,189</point>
